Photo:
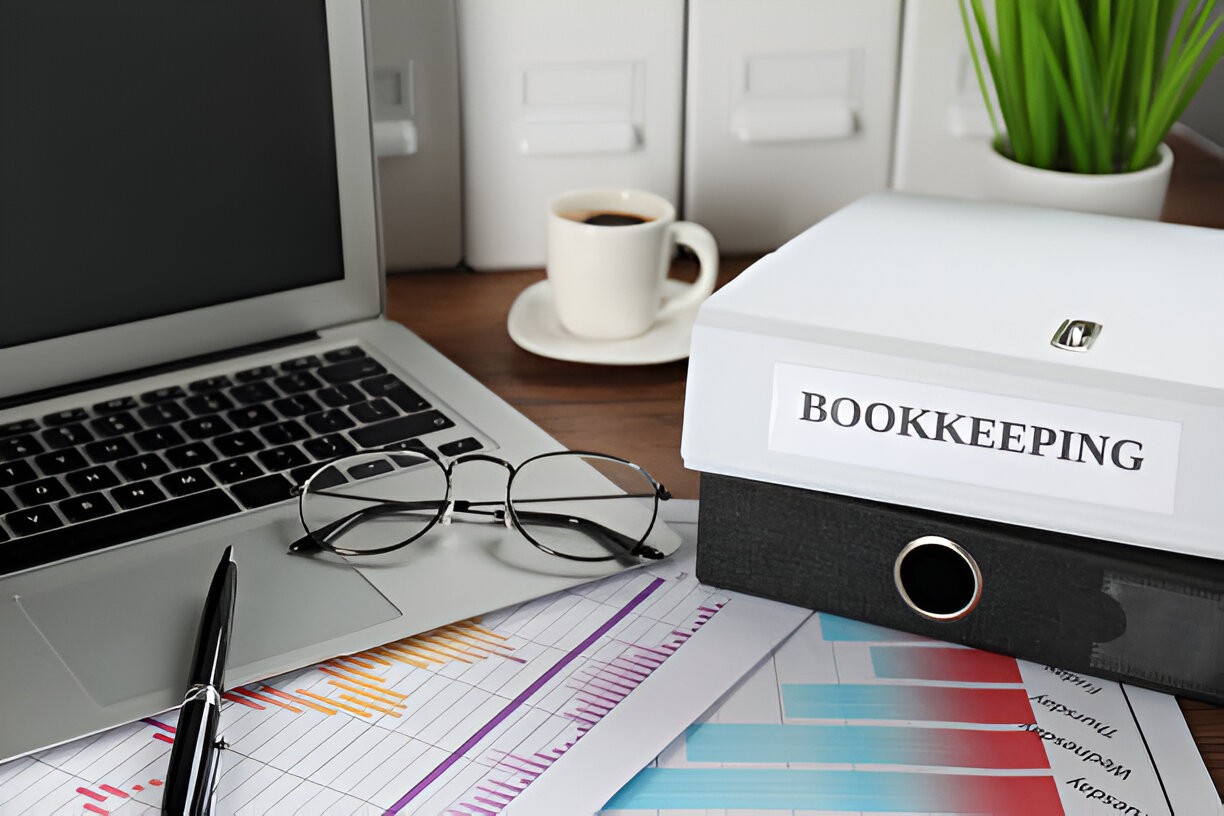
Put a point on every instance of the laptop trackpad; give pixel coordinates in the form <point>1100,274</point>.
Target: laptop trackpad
<point>130,630</point>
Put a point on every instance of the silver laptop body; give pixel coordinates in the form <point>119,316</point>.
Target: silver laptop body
<point>105,637</point>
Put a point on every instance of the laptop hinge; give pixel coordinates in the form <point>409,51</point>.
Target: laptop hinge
<point>149,371</point>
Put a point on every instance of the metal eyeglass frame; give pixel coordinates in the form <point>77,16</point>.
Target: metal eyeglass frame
<point>619,545</point>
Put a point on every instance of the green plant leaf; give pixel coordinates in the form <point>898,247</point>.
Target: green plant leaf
<point>1076,139</point>
<point>977,68</point>
<point>1039,103</point>
<point>1085,89</point>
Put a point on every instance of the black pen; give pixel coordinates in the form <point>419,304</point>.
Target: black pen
<point>191,778</point>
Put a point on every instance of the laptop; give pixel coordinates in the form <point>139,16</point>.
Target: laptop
<point>191,320</point>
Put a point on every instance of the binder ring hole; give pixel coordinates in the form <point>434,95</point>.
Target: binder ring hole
<point>937,578</point>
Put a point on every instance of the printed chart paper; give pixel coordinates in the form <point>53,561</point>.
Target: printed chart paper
<point>460,720</point>
<point>850,718</point>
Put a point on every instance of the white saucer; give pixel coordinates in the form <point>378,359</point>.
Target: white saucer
<point>534,326</point>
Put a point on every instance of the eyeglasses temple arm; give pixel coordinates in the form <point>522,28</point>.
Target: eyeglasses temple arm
<point>310,543</point>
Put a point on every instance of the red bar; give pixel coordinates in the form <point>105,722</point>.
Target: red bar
<point>234,698</point>
<point>115,791</point>
<point>95,809</point>
<point>163,738</point>
<point>91,794</point>
<point>943,663</point>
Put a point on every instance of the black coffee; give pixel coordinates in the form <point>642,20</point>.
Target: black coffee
<point>612,219</point>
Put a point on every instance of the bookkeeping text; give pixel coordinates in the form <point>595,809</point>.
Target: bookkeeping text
<point>975,431</point>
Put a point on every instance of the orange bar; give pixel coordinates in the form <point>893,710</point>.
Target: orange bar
<point>406,649</point>
<point>447,640</point>
<point>368,704</point>
<point>371,656</point>
<point>306,703</point>
<point>425,648</point>
<point>340,706</point>
<point>341,666</point>
<point>353,659</point>
<point>466,632</point>
<point>236,699</point>
<point>420,664</point>
<point>373,695</point>
<point>355,681</point>
<point>488,632</point>
<point>264,698</point>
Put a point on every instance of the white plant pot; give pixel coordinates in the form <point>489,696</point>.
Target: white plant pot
<point>1135,195</point>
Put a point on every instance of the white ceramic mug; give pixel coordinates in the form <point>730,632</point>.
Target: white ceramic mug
<point>609,252</point>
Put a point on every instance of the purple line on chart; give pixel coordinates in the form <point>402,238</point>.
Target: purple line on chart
<point>523,696</point>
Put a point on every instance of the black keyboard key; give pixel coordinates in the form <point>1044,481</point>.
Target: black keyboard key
<point>142,466</point>
<point>388,386</point>
<point>301,363</point>
<point>12,473</point>
<point>116,529</point>
<point>162,394</point>
<point>351,370</point>
<point>465,445</point>
<point>209,384</point>
<point>298,382</point>
<point>60,461</point>
<point>6,503</point>
<point>190,455</point>
<point>342,394</point>
<point>158,438</point>
<point>162,413</point>
<point>66,417</point>
<point>329,421</point>
<point>40,491</point>
<point>84,508</point>
<point>185,482</point>
<point>255,374</point>
<point>205,427</point>
<point>253,393</point>
<point>374,467</point>
<point>210,403</point>
<point>405,427</point>
<point>332,446</point>
<point>19,447</point>
<point>110,450</point>
<point>235,470</point>
<point>297,405</point>
<point>66,436</point>
<point>30,521</point>
<point>263,491</point>
<point>346,353</point>
<point>299,476</point>
<point>283,458</point>
<point>282,433</point>
<point>136,495</point>
<point>115,405</point>
<point>115,424</point>
<point>21,426</point>
<point>251,416</point>
<point>236,444</point>
<point>98,477</point>
<point>374,410</point>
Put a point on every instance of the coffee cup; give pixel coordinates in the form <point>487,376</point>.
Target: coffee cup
<point>609,251</point>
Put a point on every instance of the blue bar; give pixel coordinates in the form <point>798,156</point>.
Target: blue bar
<point>856,744</point>
<point>812,701</point>
<point>774,788</point>
<point>834,628</point>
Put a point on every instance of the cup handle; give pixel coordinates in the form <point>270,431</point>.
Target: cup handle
<point>697,238</point>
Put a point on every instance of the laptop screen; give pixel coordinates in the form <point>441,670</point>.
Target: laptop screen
<point>159,157</point>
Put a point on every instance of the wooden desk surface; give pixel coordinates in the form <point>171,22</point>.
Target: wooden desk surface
<point>636,411</point>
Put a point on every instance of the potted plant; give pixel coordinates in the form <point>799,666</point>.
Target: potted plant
<point>1087,91</point>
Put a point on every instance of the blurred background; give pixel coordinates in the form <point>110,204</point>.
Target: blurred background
<point>756,117</point>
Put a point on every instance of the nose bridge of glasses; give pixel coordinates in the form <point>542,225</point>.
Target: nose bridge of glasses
<point>468,505</point>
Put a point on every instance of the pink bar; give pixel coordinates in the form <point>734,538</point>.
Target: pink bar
<point>113,790</point>
<point>91,794</point>
<point>92,808</point>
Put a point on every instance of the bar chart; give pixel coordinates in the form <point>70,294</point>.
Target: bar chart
<point>847,717</point>
<point>458,720</point>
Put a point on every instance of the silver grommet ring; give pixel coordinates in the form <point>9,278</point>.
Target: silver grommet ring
<point>938,578</point>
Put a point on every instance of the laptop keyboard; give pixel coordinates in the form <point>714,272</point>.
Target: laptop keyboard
<point>92,477</point>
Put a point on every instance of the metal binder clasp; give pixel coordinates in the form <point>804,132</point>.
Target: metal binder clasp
<point>1075,335</point>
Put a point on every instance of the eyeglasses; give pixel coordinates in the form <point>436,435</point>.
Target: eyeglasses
<point>576,505</point>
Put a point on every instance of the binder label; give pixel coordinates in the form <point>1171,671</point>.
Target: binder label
<point>1021,445</point>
